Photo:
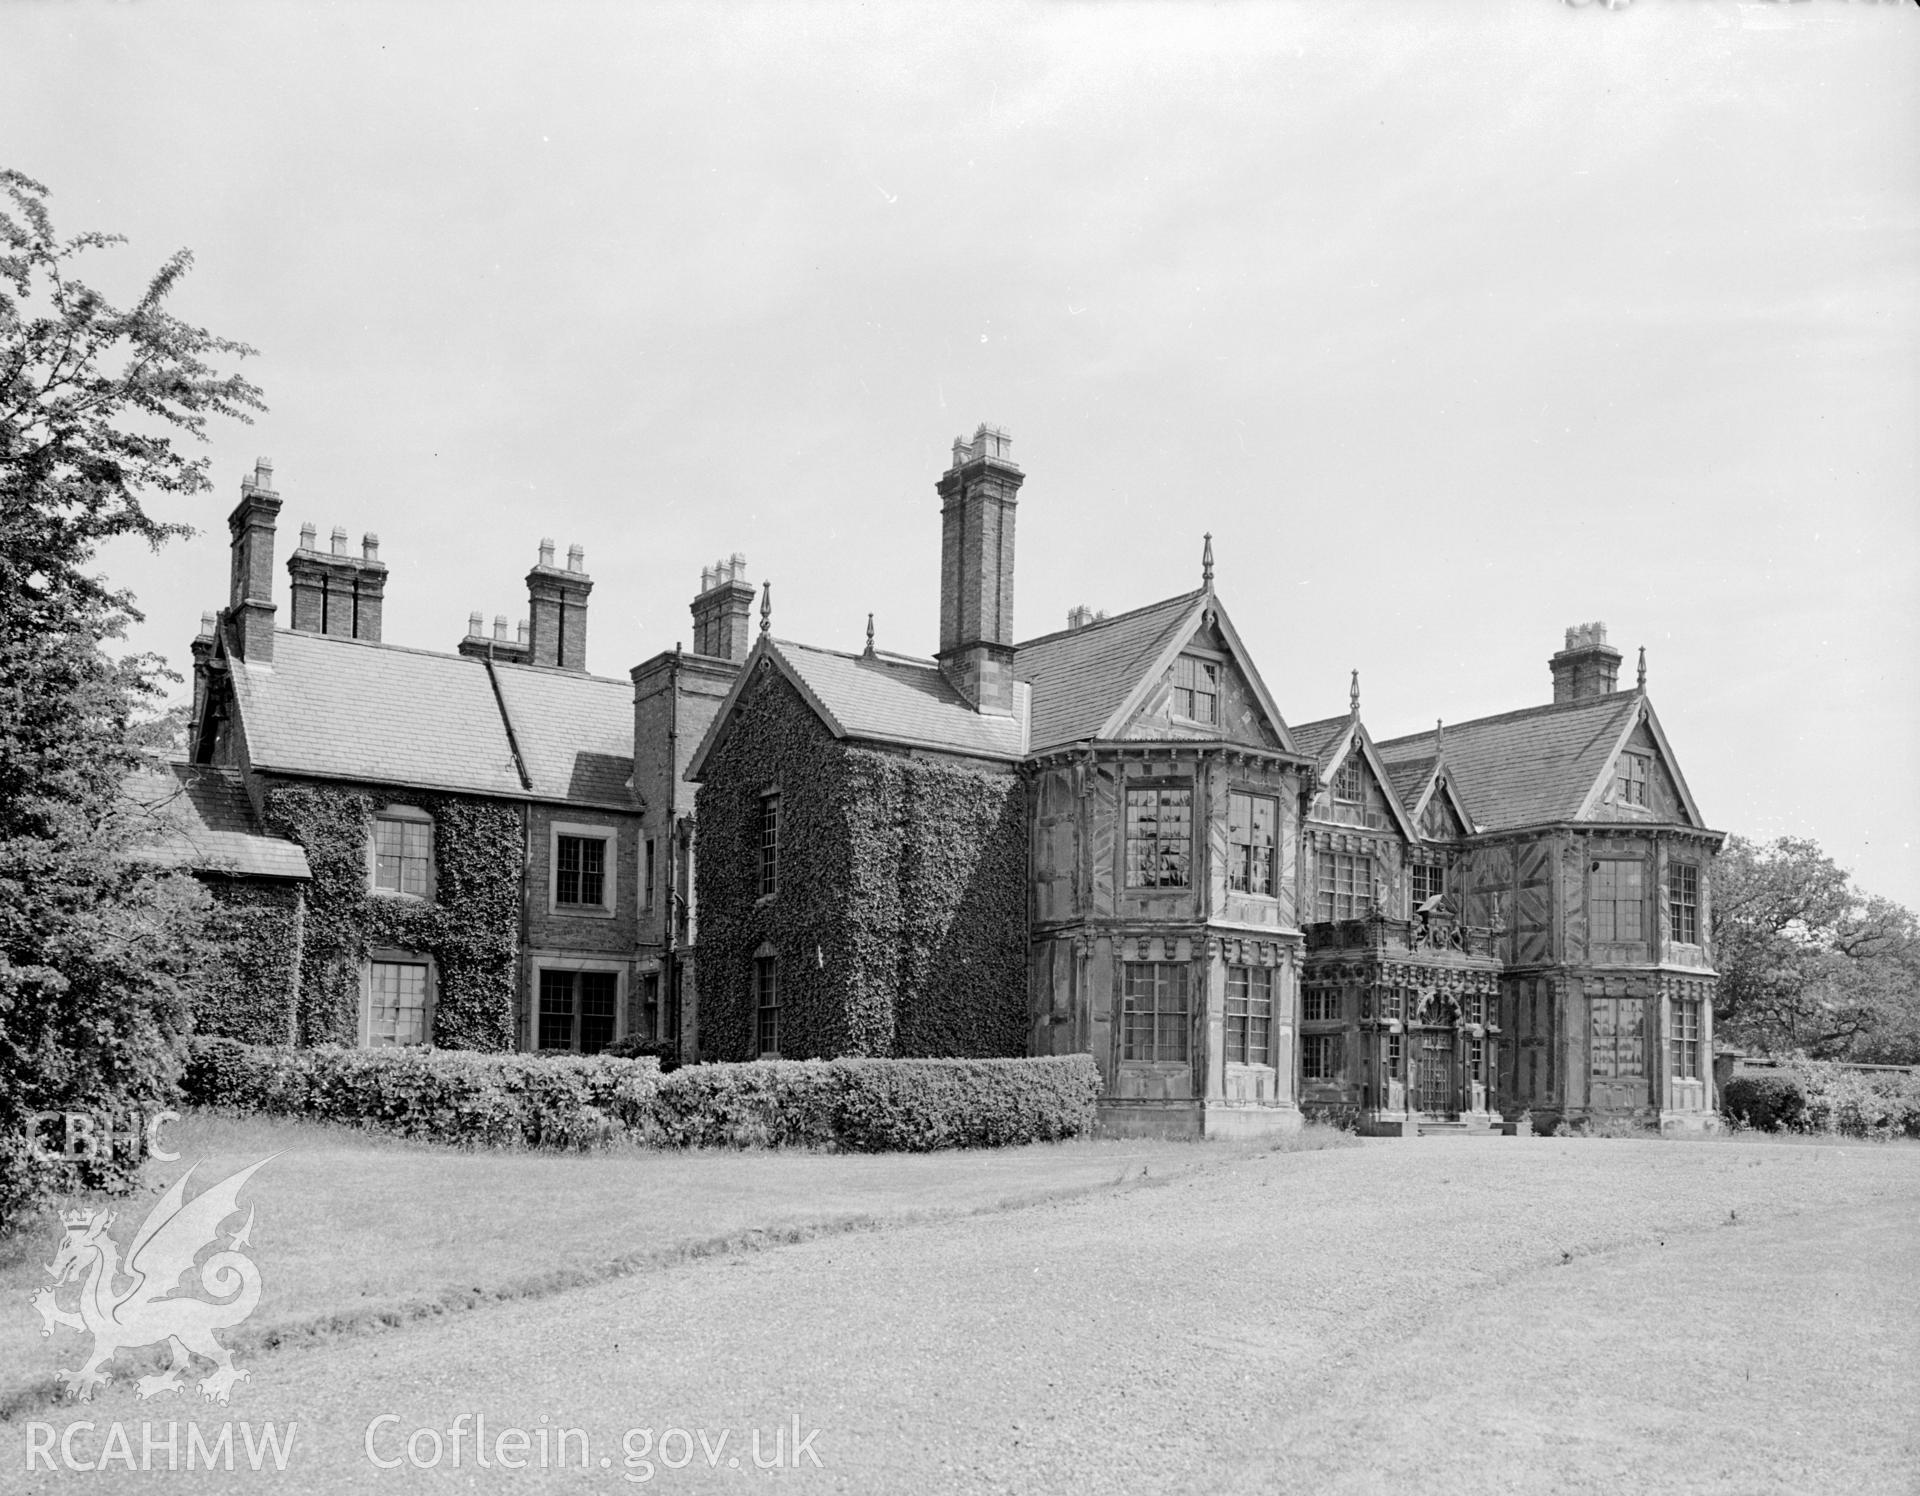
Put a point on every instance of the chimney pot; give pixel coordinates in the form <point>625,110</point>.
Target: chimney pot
<point>576,558</point>
<point>722,621</point>
<point>369,547</point>
<point>546,551</point>
<point>263,473</point>
<point>206,625</point>
<point>474,625</point>
<point>339,541</point>
<point>500,627</point>
<point>309,537</point>
<point>523,631</point>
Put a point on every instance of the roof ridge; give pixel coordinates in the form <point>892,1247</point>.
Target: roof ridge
<point>1426,735</point>
<point>441,654</point>
<point>1100,623</point>
<point>885,655</point>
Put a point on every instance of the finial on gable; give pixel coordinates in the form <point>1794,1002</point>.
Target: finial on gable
<point>1439,738</point>
<point>1353,695</point>
<point>1206,562</point>
<point>766,606</point>
<point>869,634</point>
<point>1641,684</point>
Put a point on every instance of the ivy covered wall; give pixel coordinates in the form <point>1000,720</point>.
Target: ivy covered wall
<point>248,993</point>
<point>899,924</point>
<point>471,929</point>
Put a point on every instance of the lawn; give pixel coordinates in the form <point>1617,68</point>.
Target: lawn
<point>1452,1316</point>
<point>357,1231</point>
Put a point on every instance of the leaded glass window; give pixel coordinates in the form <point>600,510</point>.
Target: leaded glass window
<point>1159,838</point>
<point>1154,1017</point>
<point>1250,1015</point>
<point>1251,820</point>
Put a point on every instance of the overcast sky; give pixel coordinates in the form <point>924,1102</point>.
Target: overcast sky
<point>1455,324</point>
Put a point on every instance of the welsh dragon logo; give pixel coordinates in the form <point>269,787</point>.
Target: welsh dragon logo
<point>163,1251</point>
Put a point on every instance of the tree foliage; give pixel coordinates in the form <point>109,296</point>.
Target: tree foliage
<point>1808,962</point>
<point>97,951</point>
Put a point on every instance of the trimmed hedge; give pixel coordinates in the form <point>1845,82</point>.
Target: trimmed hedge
<point>444,1095</point>
<point>556,1101</point>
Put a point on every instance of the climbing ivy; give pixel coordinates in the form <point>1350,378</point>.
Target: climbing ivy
<point>246,994</point>
<point>471,929</point>
<point>899,924</point>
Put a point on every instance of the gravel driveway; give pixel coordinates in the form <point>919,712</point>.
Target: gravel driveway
<point>1410,1316</point>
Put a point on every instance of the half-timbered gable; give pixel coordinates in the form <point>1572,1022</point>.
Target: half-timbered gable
<point>1397,1029</point>
<point>1588,862</point>
<point>1165,790</point>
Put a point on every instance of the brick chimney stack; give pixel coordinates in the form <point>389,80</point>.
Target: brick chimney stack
<point>1587,667</point>
<point>334,592</point>
<point>723,610</point>
<point>977,498</point>
<point>250,606</point>
<point>557,607</point>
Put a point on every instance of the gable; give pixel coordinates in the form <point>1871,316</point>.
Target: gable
<point>1438,819</point>
<point>1664,800</point>
<point>1205,667</point>
<point>1082,677</point>
<point>1530,767</point>
<point>1351,792</point>
<point>766,716</point>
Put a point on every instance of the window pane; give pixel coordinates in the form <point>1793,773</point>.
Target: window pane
<point>567,875</point>
<point>593,871</point>
<point>399,1004</point>
<point>1159,836</point>
<point>556,1010</point>
<point>769,844</point>
<point>1154,1011</point>
<point>766,993</point>
<point>598,1000</point>
<point>1603,1035</point>
<point>1631,1063</point>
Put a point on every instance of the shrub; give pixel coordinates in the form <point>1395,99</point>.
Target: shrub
<point>630,1048</point>
<point>1765,1102</point>
<point>1859,1103</point>
<point>542,1101</point>
<point>449,1096</point>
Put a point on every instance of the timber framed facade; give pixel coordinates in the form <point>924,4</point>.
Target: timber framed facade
<point>1105,840</point>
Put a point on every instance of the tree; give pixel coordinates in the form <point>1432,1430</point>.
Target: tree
<point>1808,963</point>
<point>97,952</point>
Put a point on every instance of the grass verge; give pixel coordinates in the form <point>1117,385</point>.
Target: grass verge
<point>360,1233</point>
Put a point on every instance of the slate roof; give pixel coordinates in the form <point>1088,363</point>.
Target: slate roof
<point>350,709</point>
<point>575,732</point>
<point>1317,740</point>
<point>1409,777</point>
<point>1081,677</point>
<point>201,818</point>
<point>894,699</point>
<point>1528,767</point>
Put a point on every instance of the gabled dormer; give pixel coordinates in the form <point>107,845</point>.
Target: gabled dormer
<point>1352,786</point>
<point>1641,780</point>
<point>1172,671</point>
